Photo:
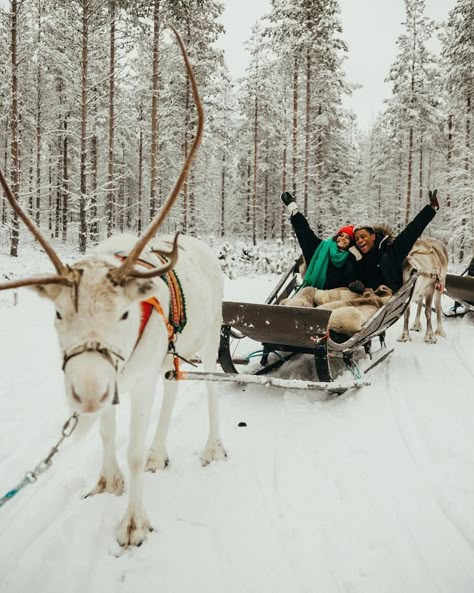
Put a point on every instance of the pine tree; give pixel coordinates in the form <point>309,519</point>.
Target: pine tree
<point>414,106</point>
<point>458,54</point>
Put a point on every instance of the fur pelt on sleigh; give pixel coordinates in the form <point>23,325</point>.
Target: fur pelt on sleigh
<point>349,310</point>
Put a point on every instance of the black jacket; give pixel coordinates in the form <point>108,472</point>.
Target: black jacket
<point>384,263</point>
<point>309,242</point>
<point>470,271</point>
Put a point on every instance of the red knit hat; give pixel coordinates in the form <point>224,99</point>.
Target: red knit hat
<point>348,229</point>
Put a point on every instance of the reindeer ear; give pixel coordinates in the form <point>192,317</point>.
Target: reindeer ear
<point>47,291</point>
<point>140,289</point>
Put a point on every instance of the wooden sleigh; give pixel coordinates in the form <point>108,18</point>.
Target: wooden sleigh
<point>284,332</point>
<point>461,290</point>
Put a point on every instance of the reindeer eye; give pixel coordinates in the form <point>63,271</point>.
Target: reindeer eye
<point>125,315</point>
<point>58,315</point>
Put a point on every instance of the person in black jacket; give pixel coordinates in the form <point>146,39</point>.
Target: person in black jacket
<point>329,262</point>
<point>382,256</point>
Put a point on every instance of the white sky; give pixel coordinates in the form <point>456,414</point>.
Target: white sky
<point>370,27</point>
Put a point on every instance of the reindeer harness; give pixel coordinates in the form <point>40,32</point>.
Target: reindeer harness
<point>433,275</point>
<point>176,320</point>
<point>175,323</point>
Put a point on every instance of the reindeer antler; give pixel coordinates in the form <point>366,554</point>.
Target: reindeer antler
<point>126,269</point>
<point>171,256</point>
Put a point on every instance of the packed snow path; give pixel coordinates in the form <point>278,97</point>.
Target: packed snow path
<point>369,492</point>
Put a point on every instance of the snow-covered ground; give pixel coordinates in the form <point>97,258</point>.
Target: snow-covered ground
<point>370,492</point>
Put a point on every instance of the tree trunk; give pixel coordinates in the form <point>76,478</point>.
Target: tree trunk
<point>249,190</point>
<point>50,188</point>
<point>307,132</point>
<point>59,210</point>
<point>30,186</point>
<point>449,160</point>
<point>110,198</point>
<point>154,106</point>
<point>255,162</point>
<point>410,135</point>
<point>185,154</point>
<point>128,199</point>
<point>223,174</point>
<point>64,211</point>
<point>140,175</point>
<point>468,198</point>
<point>399,184</point>
<point>84,92</point>
<point>266,217</point>
<point>420,193</point>
<point>5,168</point>
<point>121,200</point>
<point>319,160</point>
<point>283,185</point>
<point>192,204</point>
<point>39,103</point>
<point>409,174</point>
<point>121,196</point>
<point>94,223</point>
<point>295,125</point>
<point>15,155</point>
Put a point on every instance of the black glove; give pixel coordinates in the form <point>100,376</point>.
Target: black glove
<point>433,199</point>
<point>287,198</point>
<point>356,286</point>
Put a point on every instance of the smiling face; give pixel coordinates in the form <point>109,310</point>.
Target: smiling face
<point>364,240</point>
<point>343,241</point>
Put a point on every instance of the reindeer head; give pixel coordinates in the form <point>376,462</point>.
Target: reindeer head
<point>97,299</point>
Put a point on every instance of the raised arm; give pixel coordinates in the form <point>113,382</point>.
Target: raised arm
<point>307,239</point>
<point>403,243</point>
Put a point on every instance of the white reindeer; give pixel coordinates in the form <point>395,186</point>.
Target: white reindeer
<point>98,311</point>
<point>429,257</point>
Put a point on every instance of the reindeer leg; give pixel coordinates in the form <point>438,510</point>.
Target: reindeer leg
<point>439,316</point>
<point>214,449</point>
<point>429,336</point>
<point>135,526</point>
<point>417,323</point>
<point>111,478</point>
<point>405,337</point>
<point>158,455</point>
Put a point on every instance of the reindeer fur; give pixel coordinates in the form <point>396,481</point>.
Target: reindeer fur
<point>349,316</point>
<point>430,257</point>
<point>90,378</point>
<point>312,297</point>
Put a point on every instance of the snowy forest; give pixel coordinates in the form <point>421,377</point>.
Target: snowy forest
<point>97,117</point>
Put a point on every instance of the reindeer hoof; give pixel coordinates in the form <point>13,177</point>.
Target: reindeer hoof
<point>404,338</point>
<point>213,452</point>
<point>440,333</point>
<point>133,531</point>
<point>430,339</point>
<point>416,328</point>
<point>114,485</point>
<point>157,462</point>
